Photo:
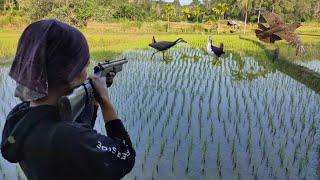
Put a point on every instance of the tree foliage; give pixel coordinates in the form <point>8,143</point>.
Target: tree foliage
<point>78,12</point>
<point>220,9</point>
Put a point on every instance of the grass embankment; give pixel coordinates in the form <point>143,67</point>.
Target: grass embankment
<point>105,43</point>
<point>284,64</point>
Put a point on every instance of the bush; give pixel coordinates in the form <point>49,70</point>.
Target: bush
<point>130,11</point>
<point>76,12</point>
<point>102,14</point>
<point>11,21</point>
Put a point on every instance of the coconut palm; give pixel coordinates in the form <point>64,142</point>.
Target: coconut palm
<point>168,12</point>
<point>186,11</point>
<point>220,9</point>
<point>245,7</point>
<point>197,12</point>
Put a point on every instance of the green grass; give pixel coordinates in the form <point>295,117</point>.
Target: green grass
<point>104,44</point>
<point>107,45</point>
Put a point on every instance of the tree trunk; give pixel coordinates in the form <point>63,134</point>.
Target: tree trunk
<point>185,27</point>
<point>218,25</point>
<point>259,12</point>
<point>11,5</point>
<point>245,19</point>
<point>168,24</point>
<point>273,6</point>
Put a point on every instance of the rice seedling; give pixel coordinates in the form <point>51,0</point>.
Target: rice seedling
<point>234,153</point>
<point>190,148</point>
<point>281,155</point>
<point>218,161</point>
<point>200,120</point>
<point>301,165</point>
<point>169,108</point>
<point>212,131</point>
<point>204,156</point>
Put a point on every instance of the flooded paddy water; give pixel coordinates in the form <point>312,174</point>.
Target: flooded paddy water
<point>313,65</point>
<point>196,117</point>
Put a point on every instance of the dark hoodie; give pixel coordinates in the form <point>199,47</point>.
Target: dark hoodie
<point>48,148</point>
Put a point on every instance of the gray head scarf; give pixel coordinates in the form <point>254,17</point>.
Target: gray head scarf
<point>49,54</point>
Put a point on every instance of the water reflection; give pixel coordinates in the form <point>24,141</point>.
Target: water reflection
<point>199,117</point>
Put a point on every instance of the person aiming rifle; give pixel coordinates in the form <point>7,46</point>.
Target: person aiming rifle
<point>49,67</point>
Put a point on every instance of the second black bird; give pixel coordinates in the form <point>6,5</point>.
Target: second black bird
<point>162,46</point>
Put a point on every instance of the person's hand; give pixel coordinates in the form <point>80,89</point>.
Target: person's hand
<point>100,90</point>
<point>109,78</point>
<point>102,97</point>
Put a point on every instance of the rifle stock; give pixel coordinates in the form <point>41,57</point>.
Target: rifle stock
<point>71,105</point>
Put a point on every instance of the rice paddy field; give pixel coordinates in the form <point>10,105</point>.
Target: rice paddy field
<point>197,117</point>
<point>314,65</point>
<point>109,40</point>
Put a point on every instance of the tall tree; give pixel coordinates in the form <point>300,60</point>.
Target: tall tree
<point>168,12</point>
<point>177,6</point>
<point>186,11</point>
<point>220,9</point>
<point>206,6</point>
<point>195,3</point>
<point>197,12</point>
<point>316,10</point>
<point>302,10</point>
<point>245,9</point>
<point>259,8</point>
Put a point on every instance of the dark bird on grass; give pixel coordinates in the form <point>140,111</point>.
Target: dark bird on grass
<point>162,46</point>
<point>279,30</point>
<point>213,50</point>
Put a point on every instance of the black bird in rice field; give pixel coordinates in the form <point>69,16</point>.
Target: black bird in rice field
<point>162,46</point>
<point>213,50</point>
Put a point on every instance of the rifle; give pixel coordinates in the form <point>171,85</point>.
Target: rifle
<point>71,105</point>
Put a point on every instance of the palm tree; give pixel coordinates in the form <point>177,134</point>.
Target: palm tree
<point>220,9</point>
<point>186,11</point>
<point>244,7</point>
<point>168,13</point>
<point>259,9</point>
<point>197,11</point>
<point>8,3</point>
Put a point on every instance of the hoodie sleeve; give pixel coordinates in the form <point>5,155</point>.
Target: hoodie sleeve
<point>102,157</point>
